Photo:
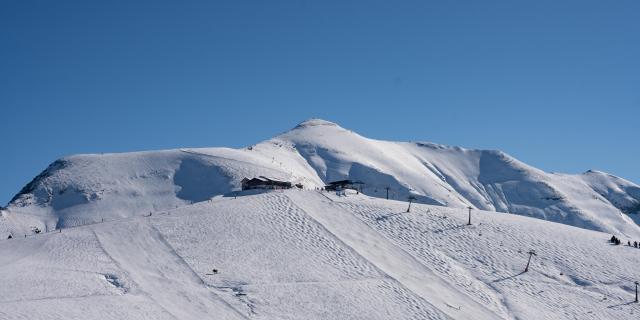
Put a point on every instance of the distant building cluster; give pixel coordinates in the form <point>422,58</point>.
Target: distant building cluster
<point>267,183</point>
<point>343,184</point>
<point>263,182</point>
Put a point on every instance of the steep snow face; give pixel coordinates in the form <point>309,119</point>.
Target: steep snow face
<point>622,194</point>
<point>88,188</point>
<point>457,177</point>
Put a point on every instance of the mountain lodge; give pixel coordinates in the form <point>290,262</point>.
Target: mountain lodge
<point>264,183</point>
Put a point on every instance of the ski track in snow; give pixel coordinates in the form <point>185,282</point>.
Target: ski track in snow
<point>560,274</point>
<point>385,222</point>
<point>393,260</point>
<point>160,273</point>
<point>320,265</point>
<point>310,255</point>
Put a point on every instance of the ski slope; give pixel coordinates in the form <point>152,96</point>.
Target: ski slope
<point>310,255</point>
<point>84,189</point>
<point>160,274</point>
<point>389,258</point>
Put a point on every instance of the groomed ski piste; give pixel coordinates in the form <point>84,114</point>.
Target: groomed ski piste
<point>315,255</point>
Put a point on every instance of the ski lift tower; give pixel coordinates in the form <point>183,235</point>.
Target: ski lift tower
<point>531,254</point>
<point>411,199</point>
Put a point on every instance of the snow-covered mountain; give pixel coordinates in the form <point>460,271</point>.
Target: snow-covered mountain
<point>162,235</point>
<point>83,189</point>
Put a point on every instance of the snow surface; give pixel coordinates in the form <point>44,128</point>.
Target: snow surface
<point>314,255</point>
<point>84,189</point>
<point>137,235</point>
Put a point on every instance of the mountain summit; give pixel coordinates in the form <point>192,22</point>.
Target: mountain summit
<point>167,235</point>
<point>315,122</point>
<point>82,189</point>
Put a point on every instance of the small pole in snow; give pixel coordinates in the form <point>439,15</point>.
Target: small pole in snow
<point>531,254</point>
<point>387,192</point>
<point>469,223</point>
<point>411,198</point>
<point>636,290</point>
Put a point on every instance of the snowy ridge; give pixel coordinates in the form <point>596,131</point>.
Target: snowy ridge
<point>84,189</point>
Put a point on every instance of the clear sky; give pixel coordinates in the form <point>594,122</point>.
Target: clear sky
<point>553,83</point>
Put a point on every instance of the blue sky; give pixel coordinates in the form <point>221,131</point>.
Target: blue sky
<point>553,83</point>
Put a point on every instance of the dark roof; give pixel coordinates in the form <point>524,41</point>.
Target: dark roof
<point>264,180</point>
<point>252,180</point>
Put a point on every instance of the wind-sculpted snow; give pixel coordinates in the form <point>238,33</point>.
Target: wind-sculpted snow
<point>86,189</point>
<point>198,180</point>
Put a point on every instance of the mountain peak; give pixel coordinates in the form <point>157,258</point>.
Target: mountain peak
<point>315,122</point>
<point>314,153</point>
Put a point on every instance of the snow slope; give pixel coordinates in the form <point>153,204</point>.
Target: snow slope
<point>83,189</point>
<point>312,255</point>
